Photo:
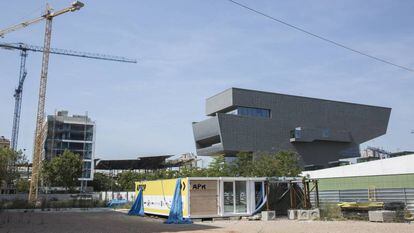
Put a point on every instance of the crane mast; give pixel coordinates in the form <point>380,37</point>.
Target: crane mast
<point>39,134</point>
<point>40,116</point>
<point>48,16</point>
<point>18,95</point>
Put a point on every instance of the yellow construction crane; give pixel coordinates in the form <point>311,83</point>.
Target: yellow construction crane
<point>40,120</point>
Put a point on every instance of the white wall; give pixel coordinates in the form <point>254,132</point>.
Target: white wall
<point>391,166</point>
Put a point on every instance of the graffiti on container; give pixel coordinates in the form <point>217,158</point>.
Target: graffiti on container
<point>199,186</point>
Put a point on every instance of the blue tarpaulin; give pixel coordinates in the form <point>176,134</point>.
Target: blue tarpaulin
<point>176,211</point>
<point>261,202</point>
<point>261,197</point>
<point>138,206</point>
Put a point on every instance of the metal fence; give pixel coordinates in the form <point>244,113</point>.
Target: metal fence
<point>109,195</point>
<point>103,196</point>
<point>24,196</point>
<point>405,195</point>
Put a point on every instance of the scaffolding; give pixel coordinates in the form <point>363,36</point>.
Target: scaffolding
<point>286,193</point>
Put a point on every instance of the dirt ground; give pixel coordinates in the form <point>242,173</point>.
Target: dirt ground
<point>102,222</point>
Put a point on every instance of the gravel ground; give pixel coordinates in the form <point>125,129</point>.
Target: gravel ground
<point>288,226</point>
<point>102,222</point>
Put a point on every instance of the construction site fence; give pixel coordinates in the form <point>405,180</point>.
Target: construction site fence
<point>405,195</point>
<point>101,196</point>
<point>53,196</point>
<point>110,195</point>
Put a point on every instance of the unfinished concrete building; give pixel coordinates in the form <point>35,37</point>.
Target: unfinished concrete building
<point>74,133</point>
<point>4,142</point>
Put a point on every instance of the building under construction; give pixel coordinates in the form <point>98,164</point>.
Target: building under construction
<point>4,142</point>
<point>74,133</point>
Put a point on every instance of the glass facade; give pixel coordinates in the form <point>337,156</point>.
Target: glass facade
<point>86,170</point>
<point>253,112</point>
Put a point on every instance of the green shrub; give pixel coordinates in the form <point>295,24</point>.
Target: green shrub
<point>15,204</point>
<point>52,204</point>
<point>331,212</point>
<point>124,206</point>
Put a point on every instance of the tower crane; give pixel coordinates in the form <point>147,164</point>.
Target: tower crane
<point>40,117</point>
<point>37,152</point>
<point>18,93</point>
<point>49,15</point>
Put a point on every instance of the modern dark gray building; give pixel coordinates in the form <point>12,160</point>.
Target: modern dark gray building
<point>74,133</point>
<point>319,130</point>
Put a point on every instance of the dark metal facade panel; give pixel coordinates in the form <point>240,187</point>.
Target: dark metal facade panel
<point>347,124</point>
<point>363,121</point>
<point>242,133</point>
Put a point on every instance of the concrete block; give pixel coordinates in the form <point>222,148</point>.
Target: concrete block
<point>234,218</point>
<point>382,216</point>
<point>268,215</point>
<point>303,214</point>
<point>292,214</point>
<point>308,214</point>
<point>314,214</point>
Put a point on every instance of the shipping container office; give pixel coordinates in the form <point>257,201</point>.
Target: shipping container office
<point>205,197</point>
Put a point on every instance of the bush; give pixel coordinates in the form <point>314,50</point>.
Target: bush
<point>53,204</point>
<point>331,212</point>
<point>124,206</point>
<point>283,163</point>
<point>15,204</point>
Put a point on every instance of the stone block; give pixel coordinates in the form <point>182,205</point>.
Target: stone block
<point>382,216</point>
<point>268,215</point>
<point>292,214</point>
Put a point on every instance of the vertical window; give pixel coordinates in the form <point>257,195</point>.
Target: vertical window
<point>325,133</point>
<point>241,197</point>
<point>228,197</point>
<point>86,170</point>
<point>235,196</point>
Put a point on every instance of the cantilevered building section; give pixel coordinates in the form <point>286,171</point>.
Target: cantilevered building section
<point>319,130</point>
<point>75,133</point>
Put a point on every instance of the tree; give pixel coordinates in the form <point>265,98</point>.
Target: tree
<point>22,185</point>
<point>265,165</point>
<point>283,163</point>
<point>191,172</point>
<point>63,170</point>
<point>218,167</point>
<point>102,182</point>
<point>243,165</point>
<point>126,180</point>
<point>288,163</point>
<point>8,158</point>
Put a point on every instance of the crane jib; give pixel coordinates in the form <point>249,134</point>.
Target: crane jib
<point>67,52</point>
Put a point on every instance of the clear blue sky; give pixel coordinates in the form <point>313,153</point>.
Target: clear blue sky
<point>189,50</point>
